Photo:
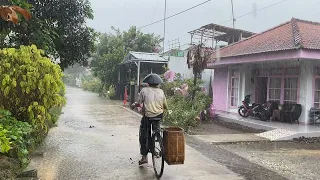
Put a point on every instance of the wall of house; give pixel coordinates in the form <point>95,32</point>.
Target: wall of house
<point>179,65</point>
<point>206,74</point>
<point>219,87</point>
<point>305,94</point>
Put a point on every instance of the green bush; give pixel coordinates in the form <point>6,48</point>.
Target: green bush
<point>112,92</point>
<point>17,136</point>
<point>55,113</point>
<point>70,79</point>
<point>4,140</point>
<point>93,85</point>
<point>168,87</point>
<point>30,85</point>
<point>184,110</point>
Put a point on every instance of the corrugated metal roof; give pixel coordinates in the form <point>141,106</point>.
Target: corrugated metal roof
<point>147,56</point>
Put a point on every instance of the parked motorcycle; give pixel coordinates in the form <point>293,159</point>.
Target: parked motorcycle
<point>253,110</point>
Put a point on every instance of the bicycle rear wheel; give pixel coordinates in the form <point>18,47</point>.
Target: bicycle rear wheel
<point>157,155</point>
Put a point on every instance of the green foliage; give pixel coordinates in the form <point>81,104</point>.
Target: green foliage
<point>168,87</point>
<point>183,113</point>
<point>72,73</point>
<point>57,27</point>
<point>111,92</point>
<point>4,140</point>
<point>55,113</point>
<point>183,110</point>
<point>17,137</point>
<point>30,85</point>
<point>93,85</point>
<point>69,79</point>
<point>113,47</point>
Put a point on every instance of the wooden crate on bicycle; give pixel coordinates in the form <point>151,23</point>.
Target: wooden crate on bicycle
<point>174,145</point>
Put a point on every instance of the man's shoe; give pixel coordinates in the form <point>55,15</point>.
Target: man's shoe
<point>143,160</point>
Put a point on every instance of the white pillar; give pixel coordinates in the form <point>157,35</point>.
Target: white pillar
<point>306,86</point>
<point>245,79</point>
<point>138,74</point>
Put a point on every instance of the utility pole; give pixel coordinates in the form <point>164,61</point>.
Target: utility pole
<point>233,19</point>
<point>164,23</point>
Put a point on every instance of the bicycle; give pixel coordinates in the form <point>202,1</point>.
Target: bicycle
<point>156,151</point>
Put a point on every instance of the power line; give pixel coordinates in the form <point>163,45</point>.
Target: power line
<point>154,11</point>
<point>254,11</point>
<point>246,14</point>
<point>174,14</point>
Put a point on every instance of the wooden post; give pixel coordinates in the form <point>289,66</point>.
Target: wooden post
<point>213,37</point>
<point>201,37</point>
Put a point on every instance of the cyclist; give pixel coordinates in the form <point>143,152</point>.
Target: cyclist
<point>154,103</point>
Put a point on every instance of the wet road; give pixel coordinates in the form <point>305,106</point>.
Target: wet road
<point>110,150</point>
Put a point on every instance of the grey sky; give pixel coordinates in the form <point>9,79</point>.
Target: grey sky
<point>125,13</point>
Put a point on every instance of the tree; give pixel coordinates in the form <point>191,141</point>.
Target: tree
<point>112,47</point>
<point>9,13</point>
<point>197,58</point>
<point>58,27</point>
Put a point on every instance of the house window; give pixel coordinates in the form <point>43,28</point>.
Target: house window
<point>234,84</point>
<point>316,88</point>
<point>284,85</point>
<point>276,71</point>
<point>275,89</point>
<point>290,90</point>
<point>317,92</point>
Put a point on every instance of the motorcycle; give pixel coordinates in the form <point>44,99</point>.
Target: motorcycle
<point>253,110</point>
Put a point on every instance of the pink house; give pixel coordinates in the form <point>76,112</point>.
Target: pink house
<point>281,64</point>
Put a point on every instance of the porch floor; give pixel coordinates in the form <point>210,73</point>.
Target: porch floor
<point>275,130</point>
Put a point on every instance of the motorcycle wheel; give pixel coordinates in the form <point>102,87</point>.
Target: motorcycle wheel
<point>243,112</point>
<point>263,116</point>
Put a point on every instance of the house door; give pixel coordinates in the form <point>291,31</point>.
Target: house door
<point>261,89</point>
<point>234,88</point>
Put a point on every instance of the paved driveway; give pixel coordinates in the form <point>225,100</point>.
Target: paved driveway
<point>110,150</point>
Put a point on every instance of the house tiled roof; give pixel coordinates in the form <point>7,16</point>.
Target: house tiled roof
<point>293,34</point>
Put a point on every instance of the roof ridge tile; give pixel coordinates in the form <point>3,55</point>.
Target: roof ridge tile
<point>296,34</point>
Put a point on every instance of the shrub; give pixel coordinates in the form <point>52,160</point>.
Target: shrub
<point>112,92</point>
<point>184,111</point>
<point>55,113</point>
<point>17,137</point>
<point>168,87</point>
<point>69,79</point>
<point>30,85</point>
<point>93,85</point>
<point>4,140</point>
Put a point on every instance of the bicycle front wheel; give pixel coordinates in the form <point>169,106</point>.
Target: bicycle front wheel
<point>157,155</point>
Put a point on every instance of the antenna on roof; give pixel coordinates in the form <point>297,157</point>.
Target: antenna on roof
<point>174,44</point>
<point>164,23</point>
<point>233,19</point>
